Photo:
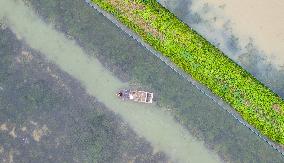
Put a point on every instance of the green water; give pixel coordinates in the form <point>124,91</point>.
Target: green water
<point>149,121</point>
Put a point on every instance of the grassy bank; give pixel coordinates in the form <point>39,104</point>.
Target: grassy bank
<point>157,26</point>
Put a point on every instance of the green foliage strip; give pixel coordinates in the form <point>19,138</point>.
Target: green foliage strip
<point>257,104</point>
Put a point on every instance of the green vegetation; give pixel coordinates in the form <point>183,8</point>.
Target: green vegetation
<point>130,62</point>
<point>257,104</point>
<point>254,60</point>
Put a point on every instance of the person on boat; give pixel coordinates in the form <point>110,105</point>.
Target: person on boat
<point>119,94</point>
<point>124,94</point>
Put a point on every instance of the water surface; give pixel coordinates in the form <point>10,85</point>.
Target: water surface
<point>149,121</point>
<point>129,61</point>
<point>249,32</point>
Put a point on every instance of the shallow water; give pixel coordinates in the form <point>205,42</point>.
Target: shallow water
<point>249,32</point>
<point>57,112</point>
<point>259,22</point>
<point>149,121</point>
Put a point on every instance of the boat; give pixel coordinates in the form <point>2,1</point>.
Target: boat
<point>136,95</point>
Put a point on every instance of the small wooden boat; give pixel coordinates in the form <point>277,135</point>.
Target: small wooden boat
<point>135,95</point>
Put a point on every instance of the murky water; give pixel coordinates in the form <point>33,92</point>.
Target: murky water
<point>249,32</point>
<point>58,112</point>
<point>261,22</point>
<point>148,121</point>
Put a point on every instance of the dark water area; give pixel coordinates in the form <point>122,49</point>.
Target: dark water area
<point>46,116</point>
<point>148,121</point>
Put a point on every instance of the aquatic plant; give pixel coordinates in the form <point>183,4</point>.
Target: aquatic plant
<point>256,103</point>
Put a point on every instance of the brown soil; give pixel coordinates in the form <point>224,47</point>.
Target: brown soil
<point>277,108</point>
<point>129,9</point>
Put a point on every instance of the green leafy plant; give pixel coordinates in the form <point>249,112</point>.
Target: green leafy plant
<point>204,62</point>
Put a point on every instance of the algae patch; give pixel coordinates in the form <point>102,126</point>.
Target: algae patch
<point>1,149</point>
<point>39,132</point>
<point>12,133</point>
<point>3,127</point>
